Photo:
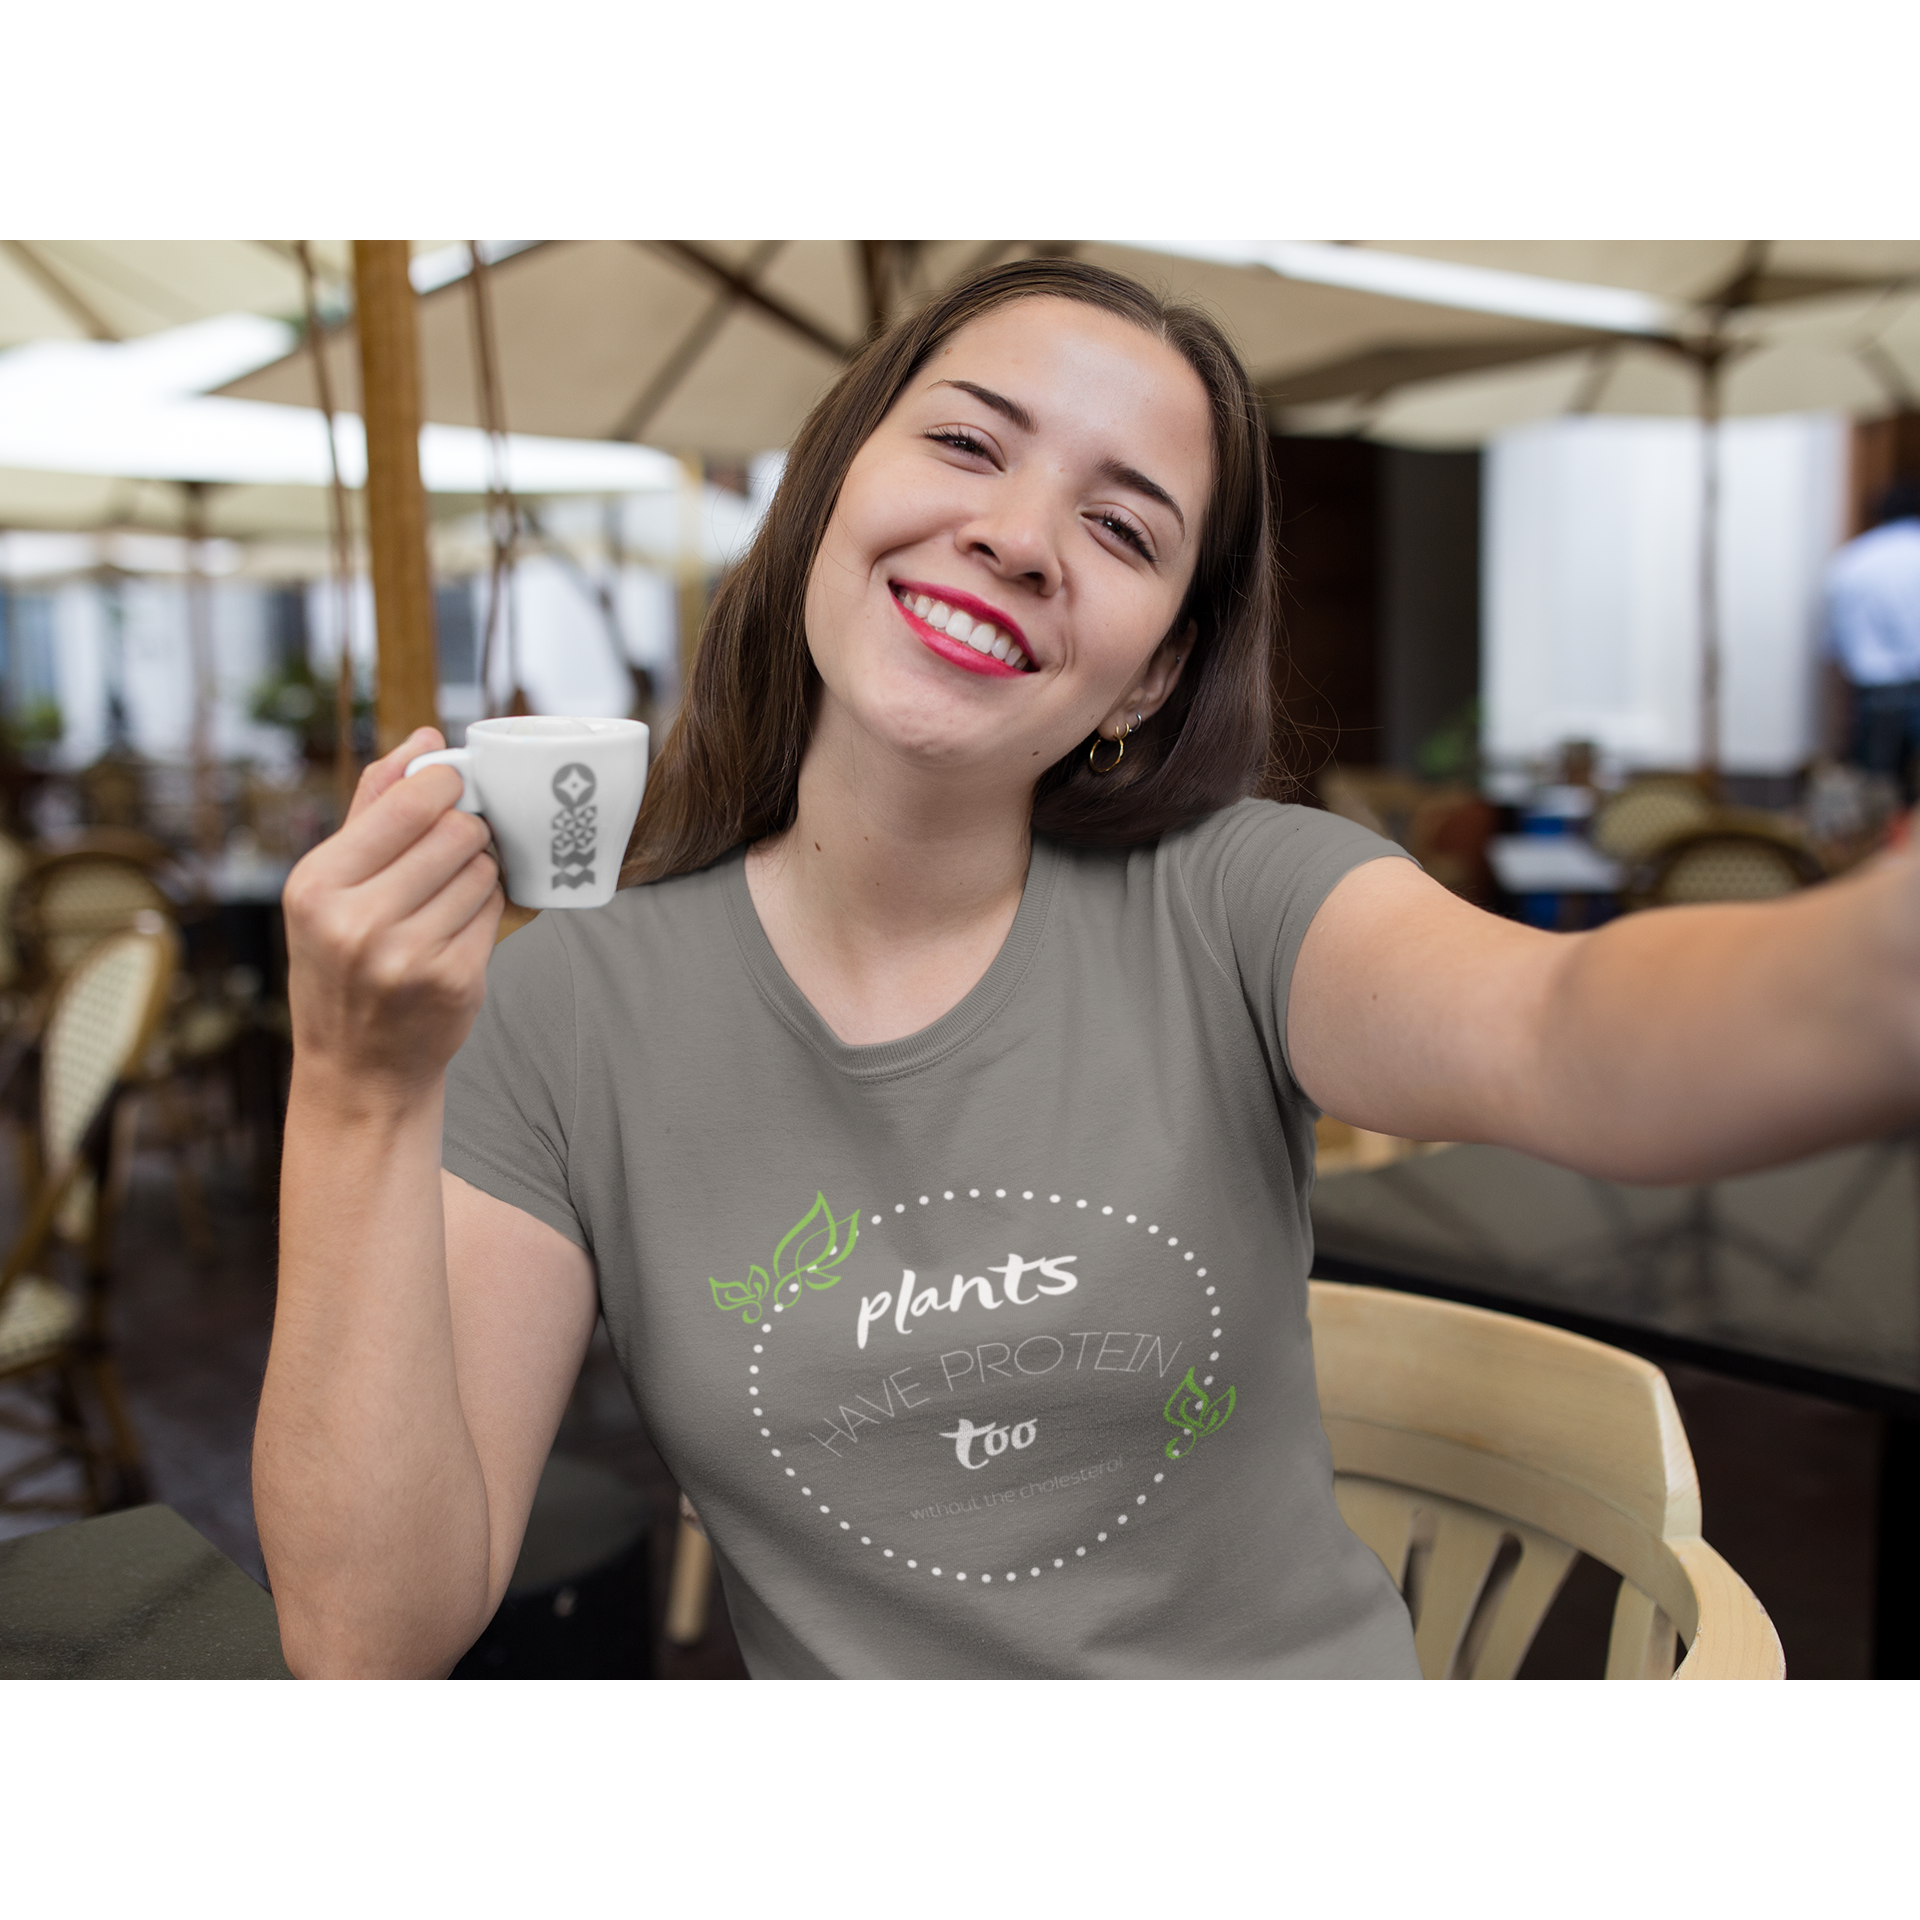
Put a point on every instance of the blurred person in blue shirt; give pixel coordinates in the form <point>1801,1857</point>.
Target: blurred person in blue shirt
<point>1873,634</point>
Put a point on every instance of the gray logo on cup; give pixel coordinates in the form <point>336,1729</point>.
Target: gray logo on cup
<point>575,826</point>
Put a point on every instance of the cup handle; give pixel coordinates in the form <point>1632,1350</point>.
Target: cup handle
<point>460,759</point>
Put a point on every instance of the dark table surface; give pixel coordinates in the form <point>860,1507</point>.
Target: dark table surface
<point>1806,1277</point>
<point>132,1596</point>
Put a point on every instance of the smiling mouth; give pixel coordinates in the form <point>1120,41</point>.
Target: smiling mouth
<point>990,642</point>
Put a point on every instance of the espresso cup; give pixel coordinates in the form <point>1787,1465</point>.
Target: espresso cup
<point>560,796</point>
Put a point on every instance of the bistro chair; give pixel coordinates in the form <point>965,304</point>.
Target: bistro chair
<point>68,900</point>
<point>1479,1454</point>
<point>101,1022</point>
<point>1648,812</point>
<point>1725,859</point>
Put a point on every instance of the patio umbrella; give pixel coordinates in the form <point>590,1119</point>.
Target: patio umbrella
<point>722,346</point>
<point>1758,327</point>
<point>96,434</point>
<point>122,289</point>
<point>1797,325</point>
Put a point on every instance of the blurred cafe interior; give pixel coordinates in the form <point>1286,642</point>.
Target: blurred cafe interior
<point>1560,528</point>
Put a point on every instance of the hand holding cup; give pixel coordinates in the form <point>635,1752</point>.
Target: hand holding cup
<point>390,923</point>
<point>561,796</point>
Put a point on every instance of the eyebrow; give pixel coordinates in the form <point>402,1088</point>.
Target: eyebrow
<point>1127,476</point>
<point>1008,409</point>
<point>1115,470</point>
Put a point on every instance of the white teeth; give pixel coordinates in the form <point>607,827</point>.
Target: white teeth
<point>981,635</point>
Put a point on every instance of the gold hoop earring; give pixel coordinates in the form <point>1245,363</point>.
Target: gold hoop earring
<point>1118,743</point>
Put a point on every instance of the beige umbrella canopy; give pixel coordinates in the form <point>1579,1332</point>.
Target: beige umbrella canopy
<point>721,346</point>
<point>1758,327</point>
<point>1798,325</point>
<point>33,500</point>
<point>120,289</point>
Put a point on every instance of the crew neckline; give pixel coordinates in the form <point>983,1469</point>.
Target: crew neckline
<point>884,1059</point>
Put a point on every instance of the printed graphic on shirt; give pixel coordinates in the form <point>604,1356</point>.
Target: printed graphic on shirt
<point>992,1426</point>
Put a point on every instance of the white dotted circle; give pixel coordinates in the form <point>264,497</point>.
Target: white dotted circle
<point>759,1411</point>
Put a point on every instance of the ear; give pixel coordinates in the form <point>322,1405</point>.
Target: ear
<point>1158,678</point>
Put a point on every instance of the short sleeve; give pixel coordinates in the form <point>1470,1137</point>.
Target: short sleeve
<point>1256,874</point>
<point>511,1088</point>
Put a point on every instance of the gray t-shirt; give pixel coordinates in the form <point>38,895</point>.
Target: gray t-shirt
<point>985,1351</point>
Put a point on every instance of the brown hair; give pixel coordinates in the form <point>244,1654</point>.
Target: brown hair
<point>730,769</point>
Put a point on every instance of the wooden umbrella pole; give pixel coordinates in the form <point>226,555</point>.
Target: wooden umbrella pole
<point>344,769</point>
<point>691,566</point>
<point>407,691</point>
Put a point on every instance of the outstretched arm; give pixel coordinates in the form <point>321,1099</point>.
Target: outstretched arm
<point>425,1335</point>
<point>1684,1044</point>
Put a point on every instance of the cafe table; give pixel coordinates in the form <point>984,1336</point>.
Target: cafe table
<point>137,1595</point>
<point>1806,1278</point>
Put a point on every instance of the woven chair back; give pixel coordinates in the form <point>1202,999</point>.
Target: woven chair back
<point>1647,813</point>
<point>103,1020</point>
<point>70,906</point>
<point>1727,866</point>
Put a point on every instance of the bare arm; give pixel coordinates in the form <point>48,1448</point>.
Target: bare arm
<point>423,1347</point>
<point>1682,1044</point>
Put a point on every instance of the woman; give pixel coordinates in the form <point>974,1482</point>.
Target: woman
<point>934,1125</point>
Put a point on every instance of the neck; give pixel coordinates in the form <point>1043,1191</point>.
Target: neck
<point>894,888</point>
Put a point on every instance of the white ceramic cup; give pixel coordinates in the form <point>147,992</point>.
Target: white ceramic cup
<point>560,796</point>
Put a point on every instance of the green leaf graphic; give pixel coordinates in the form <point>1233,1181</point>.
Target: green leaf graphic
<point>747,1298</point>
<point>1196,1413</point>
<point>810,1254</point>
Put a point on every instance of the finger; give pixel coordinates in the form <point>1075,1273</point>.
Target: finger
<point>482,928</point>
<point>390,769</point>
<point>453,935</point>
<point>404,815</point>
<point>474,943</point>
<point>399,887</point>
<point>445,915</point>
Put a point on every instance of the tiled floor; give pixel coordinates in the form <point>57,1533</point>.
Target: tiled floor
<point>1788,1483</point>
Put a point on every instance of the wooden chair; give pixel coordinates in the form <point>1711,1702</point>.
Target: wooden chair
<point>1479,1454</point>
<point>1339,1148</point>
<point>102,1020</point>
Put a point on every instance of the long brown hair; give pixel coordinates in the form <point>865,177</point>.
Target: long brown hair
<point>730,769</point>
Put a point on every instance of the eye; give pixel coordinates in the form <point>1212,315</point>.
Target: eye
<point>962,441</point>
<point>1124,530</point>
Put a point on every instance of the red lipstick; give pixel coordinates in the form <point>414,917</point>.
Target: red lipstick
<point>945,645</point>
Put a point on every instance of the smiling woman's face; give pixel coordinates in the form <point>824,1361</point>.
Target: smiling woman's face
<point>1043,477</point>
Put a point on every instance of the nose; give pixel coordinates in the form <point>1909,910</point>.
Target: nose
<point>1014,534</point>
